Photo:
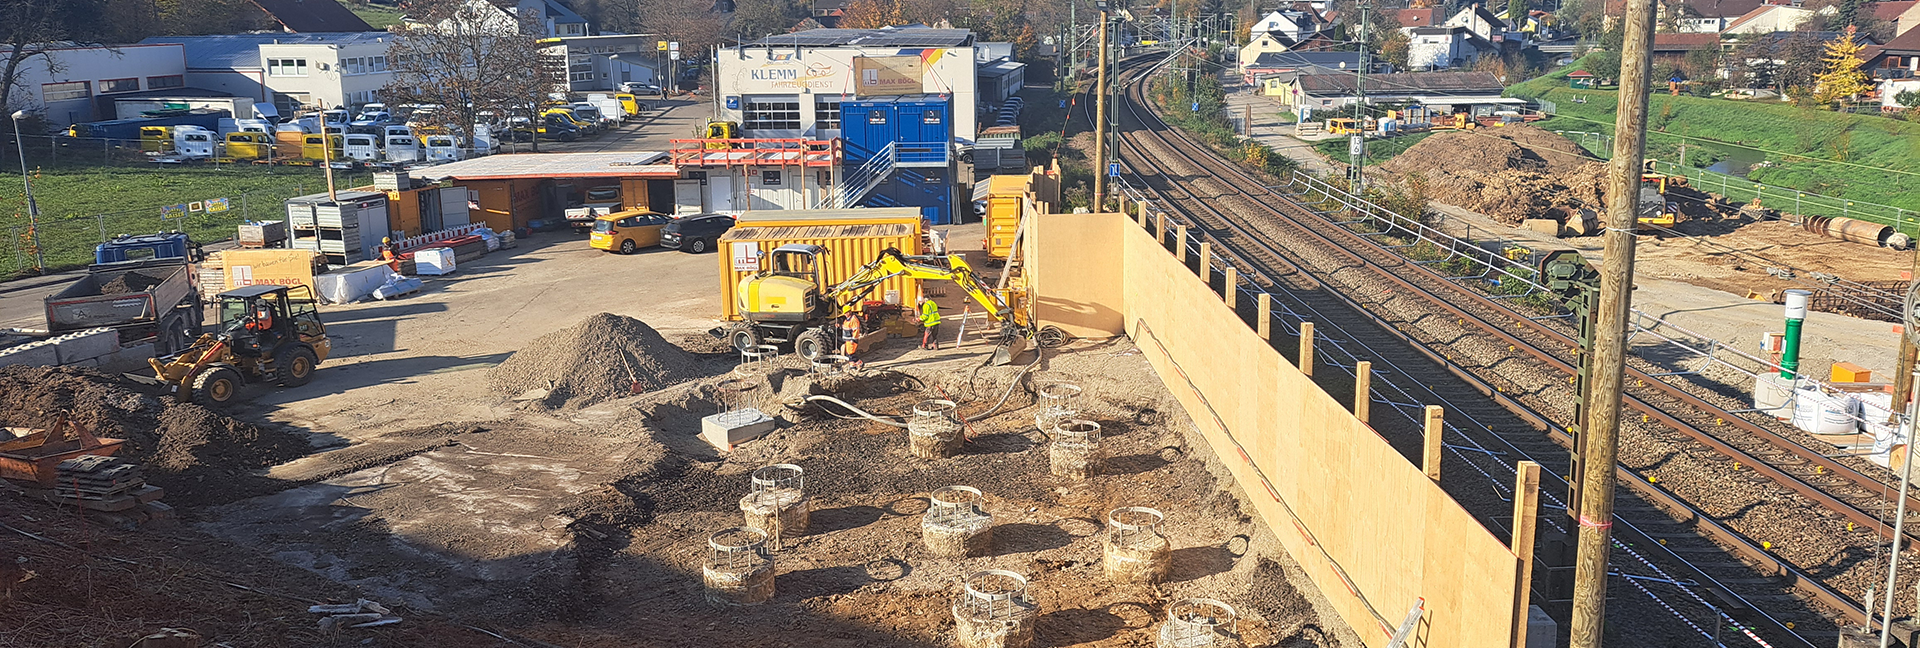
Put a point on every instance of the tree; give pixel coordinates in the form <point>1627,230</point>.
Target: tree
<point>31,29</point>
<point>1907,99</point>
<point>1517,13</point>
<point>1394,50</point>
<point>468,58</point>
<point>1603,64</point>
<point>1841,79</point>
<point>690,22</point>
<point>873,14</point>
<point>758,18</point>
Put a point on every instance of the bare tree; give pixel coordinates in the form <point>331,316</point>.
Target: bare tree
<point>35,28</point>
<point>469,57</point>
<point>691,22</point>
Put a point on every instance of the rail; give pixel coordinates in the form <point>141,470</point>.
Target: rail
<point>755,152</point>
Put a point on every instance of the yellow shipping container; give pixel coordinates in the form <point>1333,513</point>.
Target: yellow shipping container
<point>1003,212</point>
<point>849,247</point>
<point>270,267</point>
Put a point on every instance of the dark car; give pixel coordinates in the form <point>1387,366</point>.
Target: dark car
<point>695,234</point>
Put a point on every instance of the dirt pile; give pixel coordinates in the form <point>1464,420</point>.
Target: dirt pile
<point>1510,174</point>
<point>128,283</point>
<point>595,360</point>
<point>199,456</point>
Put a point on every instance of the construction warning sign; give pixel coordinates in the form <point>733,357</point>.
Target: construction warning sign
<point>887,75</point>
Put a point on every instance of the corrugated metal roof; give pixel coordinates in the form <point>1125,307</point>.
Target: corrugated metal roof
<point>241,51</point>
<point>777,215</point>
<point>743,232</point>
<point>553,165</point>
<point>999,68</point>
<point>884,37</point>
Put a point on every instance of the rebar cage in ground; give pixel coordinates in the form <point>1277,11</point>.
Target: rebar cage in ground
<point>934,430</point>
<point>1134,549</point>
<point>1075,451</point>
<point>738,569</point>
<point>1057,401</point>
<point>957,523</point>
<point>1199,623</point>
<point>777,503</point>
<point>994,611</point>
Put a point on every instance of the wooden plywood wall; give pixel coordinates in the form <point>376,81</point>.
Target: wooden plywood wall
<point>1371,529</point>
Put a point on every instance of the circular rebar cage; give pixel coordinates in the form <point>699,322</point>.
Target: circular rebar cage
<point>830,365</point>
<point>1134,551</point>
<point>777,503</point>
<point>1058,401</point>
<point>933,432</point>
<point>994,595</point>
<point>778,479</point>
<point>1075,450</point>
<point>957,506</point>
<point>738,401</point>
<point>1196,622</point>
<point>737,549</point>
<point>757,359</point>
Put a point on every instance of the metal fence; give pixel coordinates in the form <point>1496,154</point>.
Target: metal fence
<point>68,242</point>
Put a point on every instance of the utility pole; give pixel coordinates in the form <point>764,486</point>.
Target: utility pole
<point>1602,427</point>
<point>1100,120</point>
<point>1357,145</point>
<point>1073,39</point>
<point>1903,376</point>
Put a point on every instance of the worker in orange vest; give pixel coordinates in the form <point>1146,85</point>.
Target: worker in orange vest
<point>387,254</point>
<point>850,338</point>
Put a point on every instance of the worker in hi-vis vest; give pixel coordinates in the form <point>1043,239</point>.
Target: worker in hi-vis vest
<point>929,323</point>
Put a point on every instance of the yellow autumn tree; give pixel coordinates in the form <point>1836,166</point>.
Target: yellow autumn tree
<point>873,14</point>
<point>1841,78</point>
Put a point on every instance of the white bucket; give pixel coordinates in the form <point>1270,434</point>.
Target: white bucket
<point>1819,413</point>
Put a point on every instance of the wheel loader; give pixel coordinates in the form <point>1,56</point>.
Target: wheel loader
<point>788,302</point>
<point>266,334</point>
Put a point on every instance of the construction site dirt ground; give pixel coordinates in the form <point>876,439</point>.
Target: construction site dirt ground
<point>486,520</point>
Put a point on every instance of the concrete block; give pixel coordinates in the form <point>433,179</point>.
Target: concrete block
<point>1540,628</point>
<point>43,353</point>
<point>728,428</point>
<point>1547,226</point>
<point>87,345</point>
<point>131,359</point>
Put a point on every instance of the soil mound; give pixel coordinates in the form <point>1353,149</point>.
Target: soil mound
<point>598,359</point>
<point>128,283</point>
<point>1510,174</point>
<point>199,456</point>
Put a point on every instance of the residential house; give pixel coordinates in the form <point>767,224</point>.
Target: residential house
<point>1697,16</point>
<point>312,16</point>
<point>559,20</point>
<point>1895,66</point>
<point>1294,24</point>
<point>290,71</point>
<point>82,81</point>
<point>1904,14</point>
<point>1444,92</point>
<point>604,62</point>
<point>1674,48</point>
<point>1421,17</point>
<point>1767,19</point>
<point>1907,20</point>
<point>1482,23</point>
<point>1439,48</point>
<point>1274,71</point>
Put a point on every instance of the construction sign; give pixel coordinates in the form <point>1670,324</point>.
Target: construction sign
<point>217,205</point>
<point>887,75</point>
<point>174,211</point>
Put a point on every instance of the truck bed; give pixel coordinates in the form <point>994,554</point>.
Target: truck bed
<point>115,297</point>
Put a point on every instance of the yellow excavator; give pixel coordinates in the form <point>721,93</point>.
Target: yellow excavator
<point>787,302</point>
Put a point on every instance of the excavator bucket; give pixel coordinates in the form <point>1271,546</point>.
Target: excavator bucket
<point>1007,351</point>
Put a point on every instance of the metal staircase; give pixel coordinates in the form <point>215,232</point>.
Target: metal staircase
<point>862,181</point>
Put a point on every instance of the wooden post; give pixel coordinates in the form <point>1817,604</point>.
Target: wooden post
<point>1206,261</point>
<point>1100,125</point>
<point>1233,288</point>
<point>1306,348</point>
<point>1599,434</point>
<point>1436,417</point>
<point>1180,243</point>
<point>1526,520</point>
<point>1160,228</point>
<point>1362,390</point>
<point>1265,325</point>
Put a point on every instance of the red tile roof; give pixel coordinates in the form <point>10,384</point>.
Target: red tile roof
<point>1891,10</point>
<point>1419,17</point>
<point>1684,42</point>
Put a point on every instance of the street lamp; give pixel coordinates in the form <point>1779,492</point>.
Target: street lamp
<point>33,208</point>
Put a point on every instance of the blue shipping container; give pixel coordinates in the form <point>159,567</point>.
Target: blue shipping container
<point>867,126</point>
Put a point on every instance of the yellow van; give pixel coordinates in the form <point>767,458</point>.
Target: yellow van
<point>156,139</point>
<point>628,231</point>
<point>628,103</point>
<point>249,146</point>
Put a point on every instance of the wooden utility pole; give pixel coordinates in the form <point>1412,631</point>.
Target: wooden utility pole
<point>1601,430</point>
<point>1903,376</point>
<point>1100,124</point>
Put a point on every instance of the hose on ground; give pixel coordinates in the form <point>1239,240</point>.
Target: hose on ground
<point>1017,379</point>
<point>857,411</point>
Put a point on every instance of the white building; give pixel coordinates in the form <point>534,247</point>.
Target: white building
<point>80,83</point>
<point>1768,19</point>
<point>289,70</point>
<point>606,61</point>
<point>1439,48</point>
<point>1295,25</point>
<point>791,85</point>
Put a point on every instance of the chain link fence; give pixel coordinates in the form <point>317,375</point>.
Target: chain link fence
<point>68,242</point>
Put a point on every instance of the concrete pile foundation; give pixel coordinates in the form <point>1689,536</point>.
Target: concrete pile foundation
<point>758,360</point>
<point>994,611</point>
<point>1058,402</point>
<point>934,430</point>
<point>777,503</point>
<point>1135,552</point>
<point>1075,451</point>
<point>957,523</point>
<point>1199,623</point>
<point>738,569</point>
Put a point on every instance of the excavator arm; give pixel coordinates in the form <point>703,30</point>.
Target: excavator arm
<point>892,264</point>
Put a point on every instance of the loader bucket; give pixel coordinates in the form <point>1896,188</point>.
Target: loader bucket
<point>1005,353</point>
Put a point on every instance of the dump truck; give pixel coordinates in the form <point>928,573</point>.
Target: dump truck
<point>141,286</point>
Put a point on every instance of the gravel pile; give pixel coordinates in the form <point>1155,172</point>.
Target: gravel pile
<point>600,358</point>
<point>1509,174</point>
<point>199,456</point>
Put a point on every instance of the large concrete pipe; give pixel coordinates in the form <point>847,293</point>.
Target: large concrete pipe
<point>1857,231</point>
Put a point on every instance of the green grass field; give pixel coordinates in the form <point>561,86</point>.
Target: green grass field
<point>376,16</point>
<point>80,204</point>
<point>1857,157</point>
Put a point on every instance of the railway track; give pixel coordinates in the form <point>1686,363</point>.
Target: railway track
<point>1704,552</point>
